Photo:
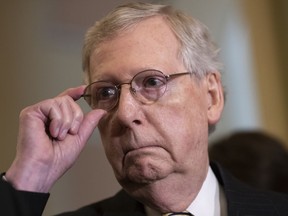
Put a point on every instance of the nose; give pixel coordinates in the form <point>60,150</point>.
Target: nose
<point>128,108</point>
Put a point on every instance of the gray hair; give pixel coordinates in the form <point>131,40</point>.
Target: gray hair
<point>197,51</point>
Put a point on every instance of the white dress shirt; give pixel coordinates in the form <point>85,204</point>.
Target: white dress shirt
<point>210,200</point>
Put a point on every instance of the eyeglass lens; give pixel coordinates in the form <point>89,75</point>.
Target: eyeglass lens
<point>146,86</point>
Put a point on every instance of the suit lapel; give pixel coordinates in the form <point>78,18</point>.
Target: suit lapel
<point>243,200</point>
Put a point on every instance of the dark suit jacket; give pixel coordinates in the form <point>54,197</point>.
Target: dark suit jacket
<point>20,203</point>
<point>241,200</point>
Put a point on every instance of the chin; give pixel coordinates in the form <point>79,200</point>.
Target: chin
<point>144,177</point>
<point>144,166</point>
<point>146,173</point>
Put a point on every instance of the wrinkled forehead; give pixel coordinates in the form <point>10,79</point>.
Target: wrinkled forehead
<point>150,44</point>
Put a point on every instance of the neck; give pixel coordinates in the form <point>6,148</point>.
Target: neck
<point>172,194</point>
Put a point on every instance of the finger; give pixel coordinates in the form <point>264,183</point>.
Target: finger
<point>77,117</point>
<point>67,116</point>
<point>62,114</point>
<point>89,123</point>
<point>71,118</point>
<point>74,93</point>
<point>57,115</point>
<point>72,113</point>
<point>53,115</point>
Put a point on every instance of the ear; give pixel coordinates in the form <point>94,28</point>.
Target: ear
<point>215,97</point>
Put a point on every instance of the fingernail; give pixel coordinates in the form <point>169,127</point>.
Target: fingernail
<point>62,135</point>
<point>75,127</point>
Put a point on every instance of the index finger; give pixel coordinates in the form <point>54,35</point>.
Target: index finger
<point>74,93</point>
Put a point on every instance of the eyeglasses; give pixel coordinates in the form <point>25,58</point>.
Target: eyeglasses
<point>146,86</point>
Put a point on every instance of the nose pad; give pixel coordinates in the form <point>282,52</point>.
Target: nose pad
<point>132,90</point>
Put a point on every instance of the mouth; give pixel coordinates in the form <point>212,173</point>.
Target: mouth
<point>141,149</point>
<point>144,151</point>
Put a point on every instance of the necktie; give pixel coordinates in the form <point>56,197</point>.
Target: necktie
<point>178,213</point>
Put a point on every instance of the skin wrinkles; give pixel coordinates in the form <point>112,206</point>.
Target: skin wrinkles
<point>153,147</point>
<point>132,139</point>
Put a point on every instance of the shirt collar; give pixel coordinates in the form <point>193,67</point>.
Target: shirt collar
<point>207,202</point>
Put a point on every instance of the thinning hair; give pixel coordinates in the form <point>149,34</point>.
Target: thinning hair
<point>197,50</point>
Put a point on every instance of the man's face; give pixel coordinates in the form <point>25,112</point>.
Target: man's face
<point>164,140</point>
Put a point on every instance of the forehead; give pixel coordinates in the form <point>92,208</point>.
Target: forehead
<point>149,44</point>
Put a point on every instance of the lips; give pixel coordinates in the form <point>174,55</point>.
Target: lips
<point>138,145</point>
<point>141,148</point>
<point>137,153</point>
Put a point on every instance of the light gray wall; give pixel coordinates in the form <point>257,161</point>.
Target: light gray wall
<point>226,21</point>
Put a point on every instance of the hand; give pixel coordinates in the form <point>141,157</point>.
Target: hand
<point>52,134</point>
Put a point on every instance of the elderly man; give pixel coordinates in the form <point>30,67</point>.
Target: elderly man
<point>154,86</point>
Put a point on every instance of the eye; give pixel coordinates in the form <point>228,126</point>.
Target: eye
<point>153,82</point>
<point>105,93</point>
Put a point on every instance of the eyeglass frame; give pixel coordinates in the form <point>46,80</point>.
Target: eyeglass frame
<point>132,90</point>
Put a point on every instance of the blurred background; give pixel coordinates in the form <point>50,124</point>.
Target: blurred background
<point>40,56</point>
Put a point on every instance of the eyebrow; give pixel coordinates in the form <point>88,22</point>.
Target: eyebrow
<point>110,76</point>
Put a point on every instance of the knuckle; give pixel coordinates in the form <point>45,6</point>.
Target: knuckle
<point>66,122</point>
<point>79,115</point>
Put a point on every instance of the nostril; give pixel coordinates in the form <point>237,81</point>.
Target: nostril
<point>137,122</point>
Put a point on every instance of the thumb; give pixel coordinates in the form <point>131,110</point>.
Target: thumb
<point>89,124</point>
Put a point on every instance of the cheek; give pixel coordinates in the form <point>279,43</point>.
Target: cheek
<point>184,121</point>
<point>114,157</point>
<point>190,142</point>
<point>112,150</point>
<point>186,125</point>
<point>183,115</point>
